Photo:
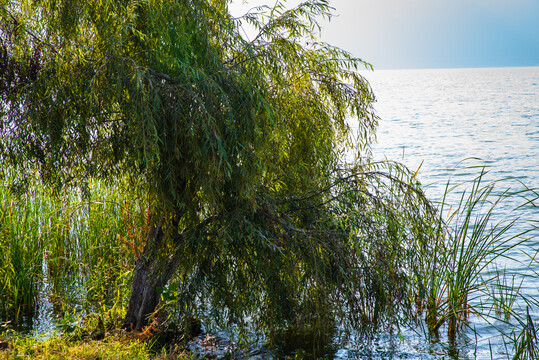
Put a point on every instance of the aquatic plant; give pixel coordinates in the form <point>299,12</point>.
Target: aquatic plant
<point>463,278</point>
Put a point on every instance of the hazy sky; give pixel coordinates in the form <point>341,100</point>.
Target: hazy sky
<point>433,33</point>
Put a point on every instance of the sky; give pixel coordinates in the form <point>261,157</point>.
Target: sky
<point>404,34</point>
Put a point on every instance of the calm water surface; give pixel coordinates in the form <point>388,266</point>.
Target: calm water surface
<point>437,121</point>
<point>440,117</point>
<point>446,122</point>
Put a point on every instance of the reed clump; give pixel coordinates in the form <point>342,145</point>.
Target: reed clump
<point>472,241</point>
<point>20,246</point>
<point>73,251</point>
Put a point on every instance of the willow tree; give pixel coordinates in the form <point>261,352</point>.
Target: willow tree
<point>239,145</point>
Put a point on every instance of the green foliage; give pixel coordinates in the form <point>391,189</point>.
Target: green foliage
<point>526,344</point>
<point>56,347</point>
<point>469,243</point>
<point>20,262</point>
<point>154,90</point>
<point>236,143</point>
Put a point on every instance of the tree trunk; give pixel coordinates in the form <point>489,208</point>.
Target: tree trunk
<point>153,269</point>
<point>144,297</point>
<point>149,274</point>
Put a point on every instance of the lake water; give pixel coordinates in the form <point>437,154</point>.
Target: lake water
<point>441,117</point>
<point>448,123</point>
<point>437,120</point>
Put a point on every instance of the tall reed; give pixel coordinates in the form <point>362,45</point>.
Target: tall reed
<point>74,251</point>
<point>20,249</point>
<point>463,275</point>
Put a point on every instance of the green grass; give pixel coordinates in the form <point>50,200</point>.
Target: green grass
<point>467,246</point>
<point>58,348</point>
<point>113,346</point>
<point>21,248</point>
<point>98,336</point>
<point>466,278</point>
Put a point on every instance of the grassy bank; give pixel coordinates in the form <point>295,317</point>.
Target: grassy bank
<point>113,347</point>
<point>101,336</point>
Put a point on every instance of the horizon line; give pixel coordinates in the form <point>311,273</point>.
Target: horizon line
<point>448,68</point>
